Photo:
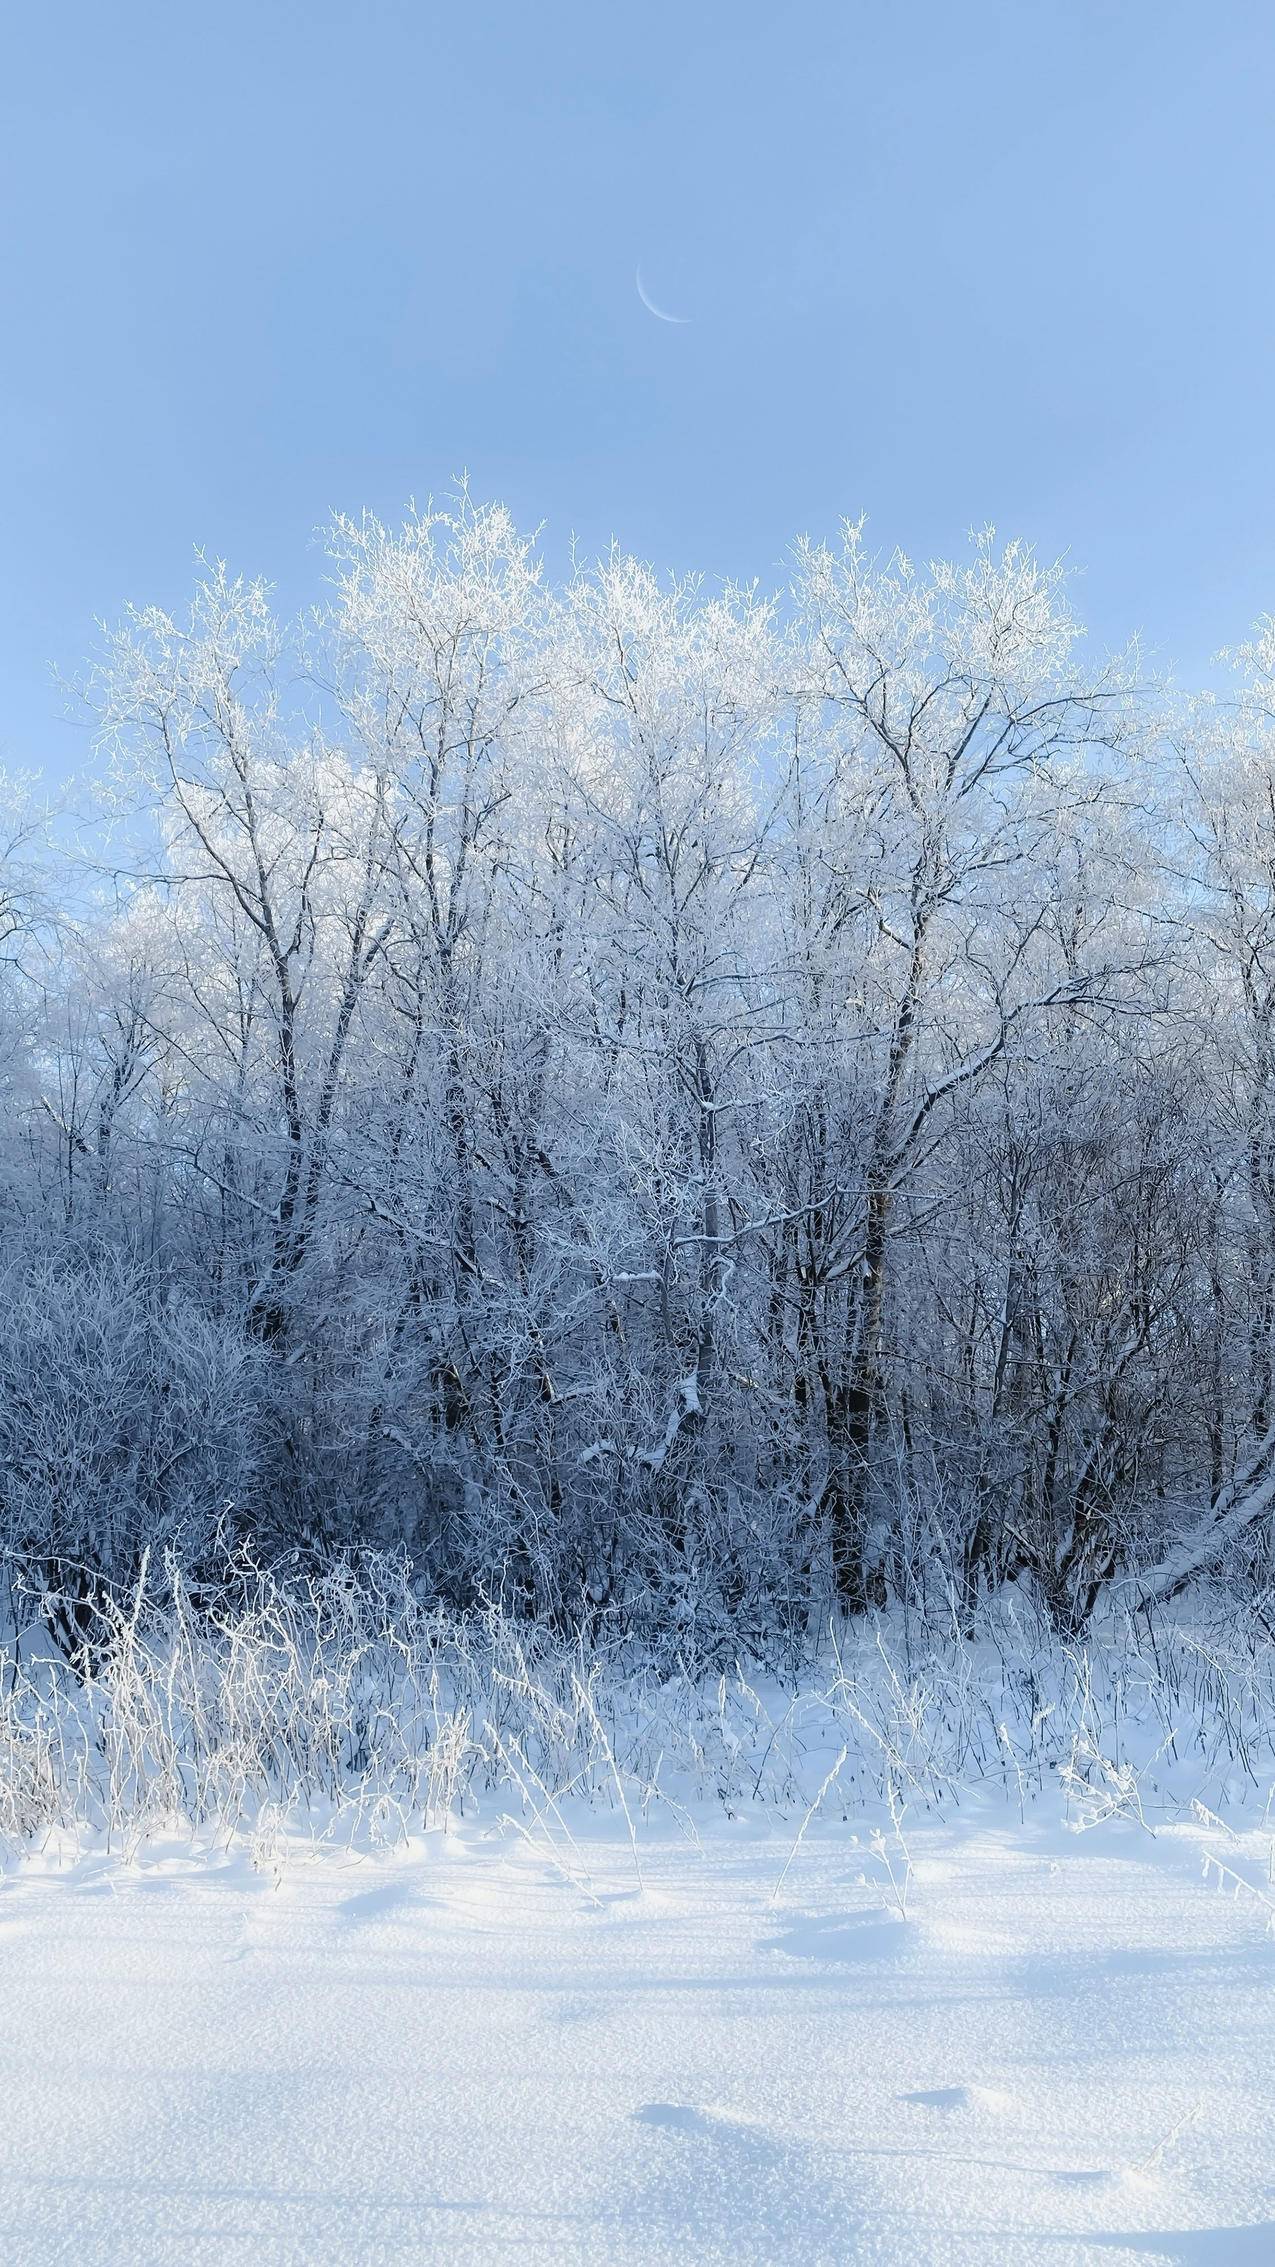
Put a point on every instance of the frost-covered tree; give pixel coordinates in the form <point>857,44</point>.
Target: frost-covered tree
<point>674,1104</point>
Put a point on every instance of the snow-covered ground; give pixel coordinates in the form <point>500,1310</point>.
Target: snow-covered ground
<point>471,2051</point>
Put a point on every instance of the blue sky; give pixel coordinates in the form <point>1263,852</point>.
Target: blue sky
<point>946,262</point>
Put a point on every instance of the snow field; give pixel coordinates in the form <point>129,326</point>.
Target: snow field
<point>1044,2046</point>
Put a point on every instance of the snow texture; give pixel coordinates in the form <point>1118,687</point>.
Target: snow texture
<point>1061,2051</point>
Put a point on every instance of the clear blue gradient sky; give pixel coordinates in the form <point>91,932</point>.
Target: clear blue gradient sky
<point>948,261</point>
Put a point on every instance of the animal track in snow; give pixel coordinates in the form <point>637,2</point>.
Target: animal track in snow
<point>840,1939</point>
<point>707,2125</point>
<point>371,1904</point>
<point>957,2098</point>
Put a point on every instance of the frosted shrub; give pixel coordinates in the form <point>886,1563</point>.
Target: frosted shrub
<point>127,1422</point>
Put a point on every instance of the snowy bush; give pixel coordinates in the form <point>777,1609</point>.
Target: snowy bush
<point>127,1423</point>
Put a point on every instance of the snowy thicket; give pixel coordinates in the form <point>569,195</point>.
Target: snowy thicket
<point>665,1105</point>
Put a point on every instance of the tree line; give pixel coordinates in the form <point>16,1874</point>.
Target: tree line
<point>674,1106</point>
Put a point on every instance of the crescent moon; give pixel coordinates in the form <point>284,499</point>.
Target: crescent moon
<point>661,314</point>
